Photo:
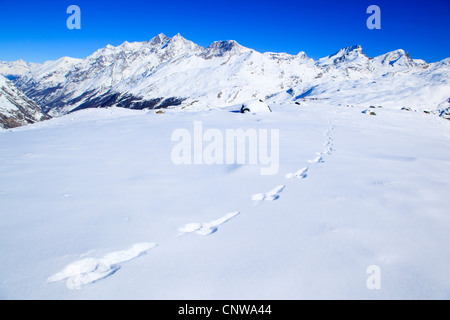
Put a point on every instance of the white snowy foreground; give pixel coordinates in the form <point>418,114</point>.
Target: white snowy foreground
<point>93,207</point>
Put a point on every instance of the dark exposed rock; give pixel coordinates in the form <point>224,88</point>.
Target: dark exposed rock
<point>128,101</point>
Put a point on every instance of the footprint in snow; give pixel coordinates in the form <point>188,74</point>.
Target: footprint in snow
<point>300,174</point>
<point>268,196</point>
<point>89,270</point>
<point>206,228</point>
<point>318,159</point>
<point>328,148</point>
<point>329,142</point>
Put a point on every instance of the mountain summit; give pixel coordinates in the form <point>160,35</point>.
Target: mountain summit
<point>344,55</point>
<point>222,48</point>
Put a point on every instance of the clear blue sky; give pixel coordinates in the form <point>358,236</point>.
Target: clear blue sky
<point>36,30</point>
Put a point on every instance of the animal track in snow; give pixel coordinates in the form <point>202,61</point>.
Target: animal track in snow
<point>328,147</point>
<point>206,228</point>
<point>329,143</point>
<point>300,174</point>
<point>272,195</point>
<point>318,159</point>
<point>89,270</point>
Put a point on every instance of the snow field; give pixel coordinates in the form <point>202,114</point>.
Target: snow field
<point>78,191</point>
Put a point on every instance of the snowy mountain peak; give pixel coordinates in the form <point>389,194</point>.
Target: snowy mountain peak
<point>110,47</point>
<point>221,48</point>
<point>357,49</point>
<point>125,45</point>
<point>348,54</point>
<point>398,57</point>
<point>159,40</point>
<point>302,55</point>
<point>178,37</point>
<point>179,45</point>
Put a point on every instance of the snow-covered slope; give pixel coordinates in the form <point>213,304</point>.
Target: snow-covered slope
<point>396,81</point>
<point>93,207</point>
<point>173,71</point>
<point>15,108</point>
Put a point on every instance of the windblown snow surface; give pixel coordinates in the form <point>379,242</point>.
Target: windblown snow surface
<point>93,207</point>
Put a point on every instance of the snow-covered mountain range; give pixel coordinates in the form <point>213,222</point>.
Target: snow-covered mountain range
<point>15,108</point>
<point>166,72</point>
